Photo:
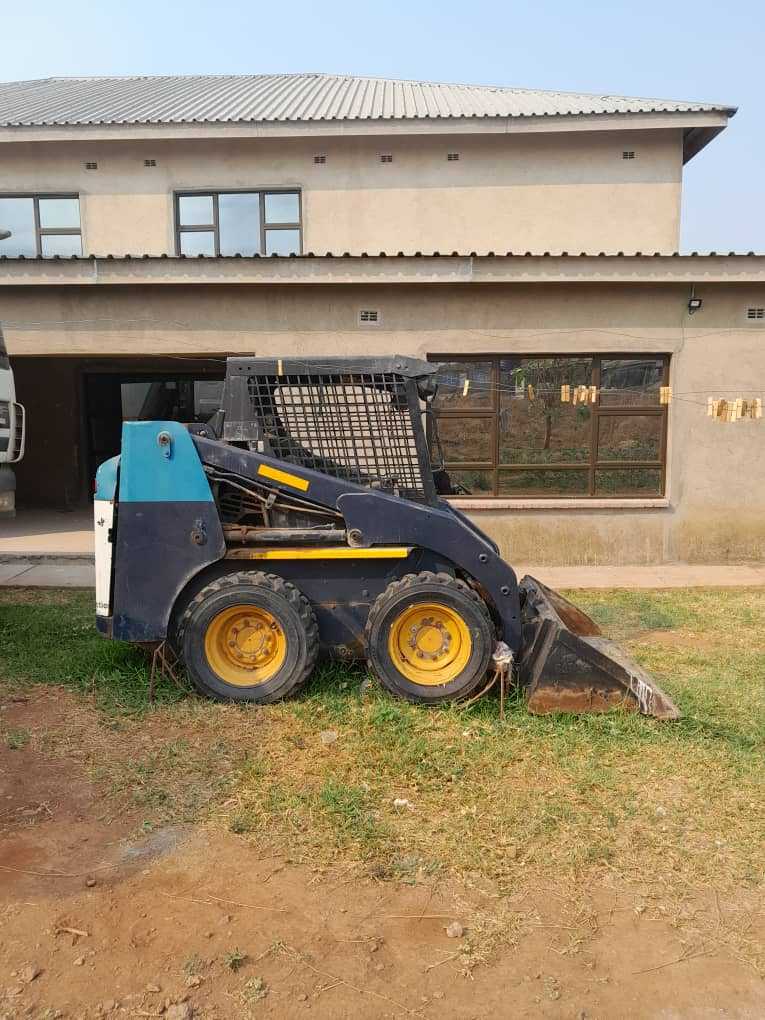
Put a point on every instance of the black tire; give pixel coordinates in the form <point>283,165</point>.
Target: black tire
<point>266,593</point>
<point>444,590</point>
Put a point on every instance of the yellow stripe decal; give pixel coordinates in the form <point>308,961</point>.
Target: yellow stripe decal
<point>284,477</point>
<point>389,552</point>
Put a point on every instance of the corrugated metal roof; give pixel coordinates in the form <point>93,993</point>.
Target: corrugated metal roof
<point>213,99</point>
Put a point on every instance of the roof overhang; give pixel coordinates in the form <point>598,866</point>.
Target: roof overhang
<point>698,127</point>
<point>383,270</point>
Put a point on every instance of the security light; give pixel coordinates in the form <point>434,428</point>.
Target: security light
<point>4,235</point>
<point>694,304</point>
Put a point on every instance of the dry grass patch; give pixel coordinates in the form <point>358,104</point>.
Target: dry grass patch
<point>666,809</point>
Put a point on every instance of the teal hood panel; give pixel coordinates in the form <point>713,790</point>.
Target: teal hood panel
<point>160,464</point>
<point>106,479</point>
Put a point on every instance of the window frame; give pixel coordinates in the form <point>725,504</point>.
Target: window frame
<point>41,231</point>
<point>592,465</point>
<point>214,227</point>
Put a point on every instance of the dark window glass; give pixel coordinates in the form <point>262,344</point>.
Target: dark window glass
<point>535,426</point>
<point>630,382</point>
<point>466,440</point>
<point>629,437</point>
<point>168,399</point>
<point>543,483</point>
<point>475,483</point>
<point>551,425</point>
<point>452,376</point>
<point>632,482</point>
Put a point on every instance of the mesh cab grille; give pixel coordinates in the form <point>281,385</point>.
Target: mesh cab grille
<point>354,426</point>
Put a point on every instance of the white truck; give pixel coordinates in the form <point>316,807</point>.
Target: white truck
<point>11,434</point>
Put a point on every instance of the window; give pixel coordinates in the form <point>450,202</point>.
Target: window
<point>369,317</point>
<point>505,431</point>
<point>386,157</point>
<point>238,223</point>
<point>452,157</point>
<point>170,399</point>
<point>755,313</point>
<point>44,225</point>
<point>628,154</point>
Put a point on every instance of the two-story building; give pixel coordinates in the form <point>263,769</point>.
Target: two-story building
<point>527,239</point>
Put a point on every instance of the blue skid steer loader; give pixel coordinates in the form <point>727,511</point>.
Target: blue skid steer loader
<point>306,517</point>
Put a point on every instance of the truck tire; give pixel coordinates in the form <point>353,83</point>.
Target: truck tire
<point>249,636</point>
<point>430,638</point>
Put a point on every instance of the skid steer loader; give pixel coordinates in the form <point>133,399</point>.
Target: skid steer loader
<point>306,517</point>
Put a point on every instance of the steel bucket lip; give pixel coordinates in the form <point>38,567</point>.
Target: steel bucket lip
<point>609,675</point>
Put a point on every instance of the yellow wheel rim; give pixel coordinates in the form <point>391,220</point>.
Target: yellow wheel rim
<point>430,644</point>
<point>245,645</point>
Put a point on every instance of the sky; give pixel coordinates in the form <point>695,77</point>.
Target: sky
<point>678,50</point>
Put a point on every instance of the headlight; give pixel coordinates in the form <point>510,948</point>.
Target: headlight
<point>5,414</point>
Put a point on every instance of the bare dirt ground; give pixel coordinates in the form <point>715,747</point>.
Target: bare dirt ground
<point>98,919</point>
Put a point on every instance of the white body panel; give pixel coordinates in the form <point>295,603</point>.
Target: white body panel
<point>103,518</point>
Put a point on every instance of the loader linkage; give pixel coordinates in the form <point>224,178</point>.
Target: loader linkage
<point>307,517</point>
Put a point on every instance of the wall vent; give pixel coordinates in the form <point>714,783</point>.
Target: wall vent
<point>150,162</point>
<point>386,157</point>
<point>628,154</point>
<point>452,156</point>
<point>369,317</point>
<point>92,165</point>
<point>320,158</point>
<point>755,313</point>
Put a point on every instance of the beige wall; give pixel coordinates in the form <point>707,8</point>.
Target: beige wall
<point>715,510</point>
<point>558,191</point>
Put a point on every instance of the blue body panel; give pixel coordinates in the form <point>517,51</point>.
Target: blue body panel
<point>106,479</point>
<point>167,526</point>
<point>159,473</point>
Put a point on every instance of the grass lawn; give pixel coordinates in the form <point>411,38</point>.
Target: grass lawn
<point>564,799</point>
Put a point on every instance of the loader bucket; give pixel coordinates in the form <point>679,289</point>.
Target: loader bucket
<point>567,665</point>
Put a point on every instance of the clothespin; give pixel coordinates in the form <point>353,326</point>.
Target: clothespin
<point>565,393</point>
<point>711,407</point>
<point>739,408</point>
<point>593,394</point>
<point>530,391</point>
<point>465,387</point>
<point>758,407</point>
<point>279,367</point>
<point>665,394</point>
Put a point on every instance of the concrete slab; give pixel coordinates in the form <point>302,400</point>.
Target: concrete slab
<point>670,575</point>
<point>10,571</point>
<point>51,575</point>
<point>79,572</point>
<point>47,532</point>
